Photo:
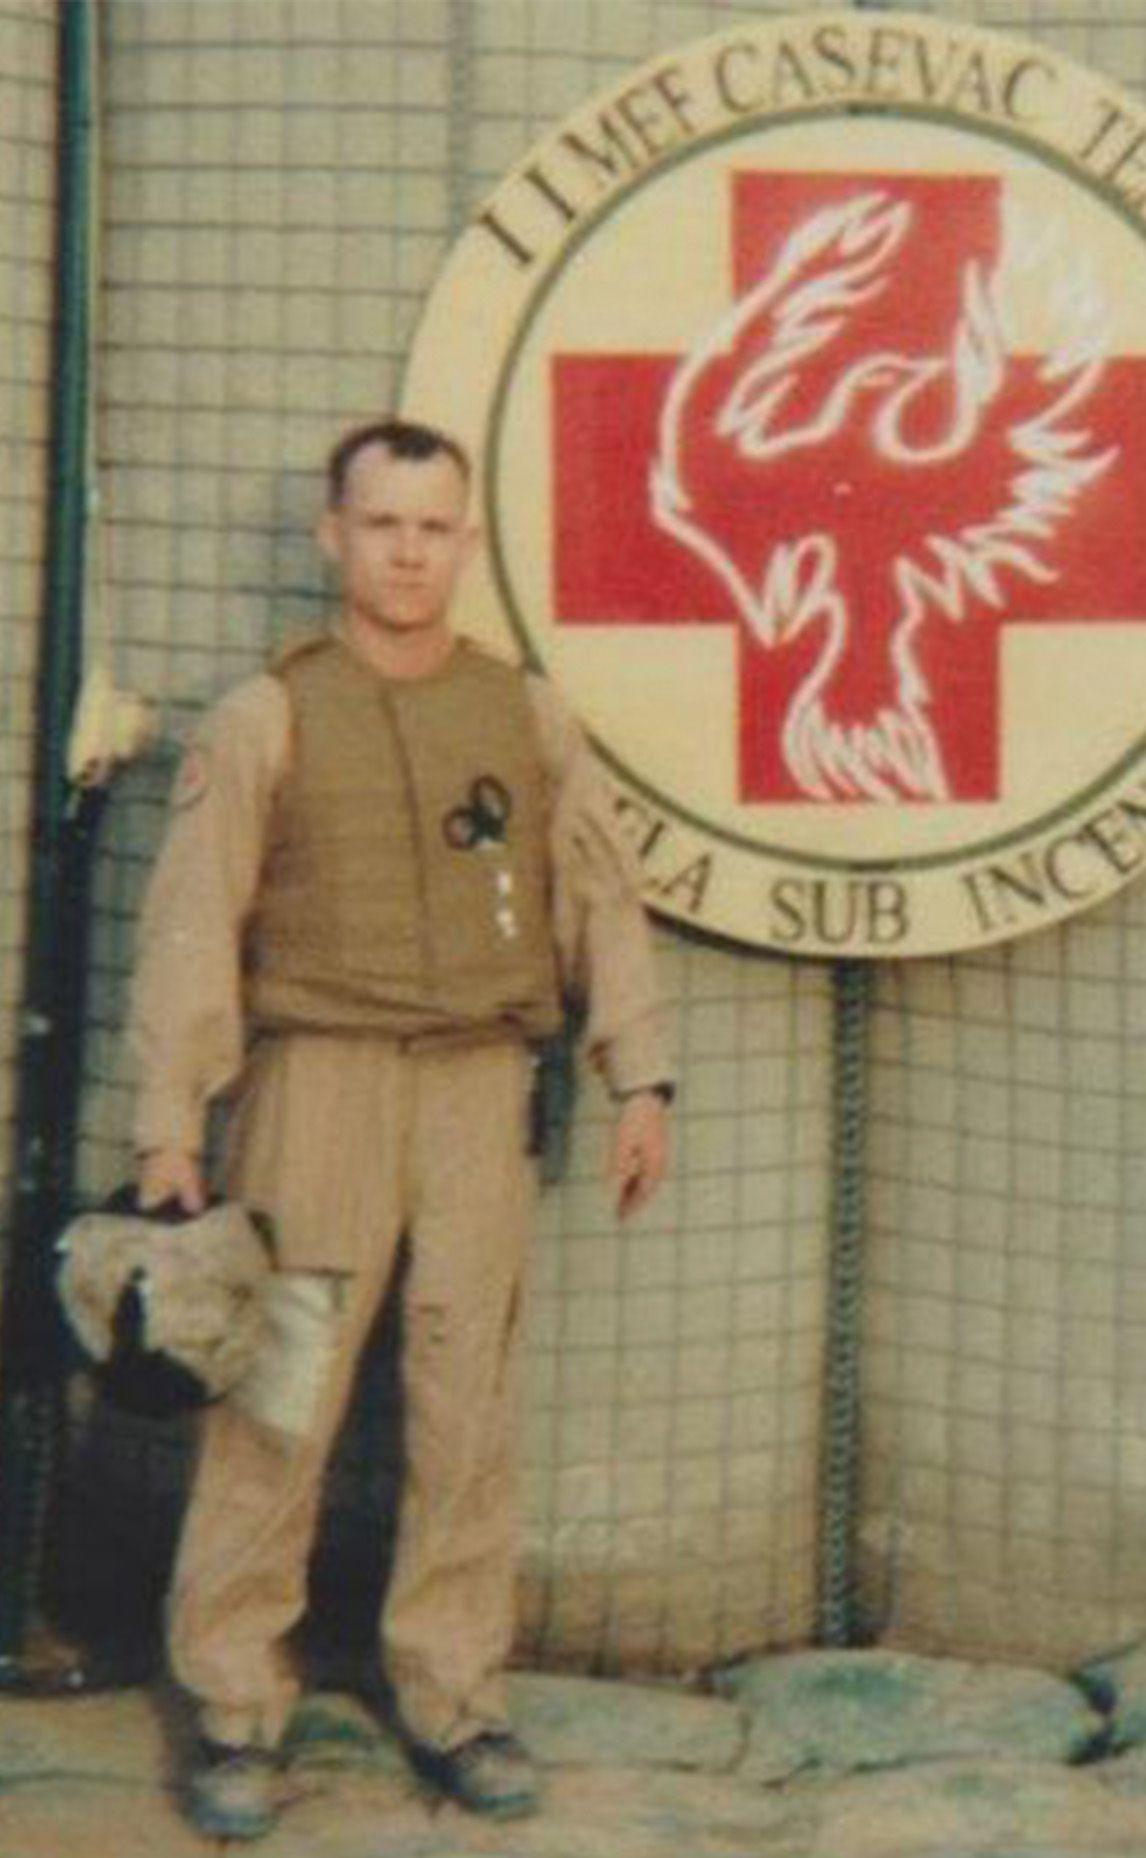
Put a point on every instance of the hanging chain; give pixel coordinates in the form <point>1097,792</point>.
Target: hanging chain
<point>839,1495</point>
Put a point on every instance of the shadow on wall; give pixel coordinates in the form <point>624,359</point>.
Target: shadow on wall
<point>120,1505</point>
<point>124,1483</point>
<point>300,587</point>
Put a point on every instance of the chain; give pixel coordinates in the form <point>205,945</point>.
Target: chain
<point>840,1465</point>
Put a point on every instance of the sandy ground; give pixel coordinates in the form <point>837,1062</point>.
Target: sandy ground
<point>813,1756</point>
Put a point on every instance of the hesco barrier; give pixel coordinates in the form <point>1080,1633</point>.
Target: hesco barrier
<point>961,1374</point>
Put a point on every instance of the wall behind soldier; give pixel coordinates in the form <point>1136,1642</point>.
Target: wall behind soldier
<point>1003,1368</point>
<point>27,188</point>
<point>282,182</point>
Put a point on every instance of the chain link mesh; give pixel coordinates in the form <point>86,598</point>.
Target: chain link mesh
<point>282,182</point>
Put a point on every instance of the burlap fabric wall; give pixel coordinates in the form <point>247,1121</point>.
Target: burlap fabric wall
<point>282,182</point>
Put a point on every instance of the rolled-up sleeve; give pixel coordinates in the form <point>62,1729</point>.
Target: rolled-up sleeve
<point>185,1026</point>
<point>602,932</point>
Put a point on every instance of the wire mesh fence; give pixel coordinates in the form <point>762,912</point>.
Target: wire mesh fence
<point>1002,1348</point>
<point>27,187</point>
<point>1002,1371</point>
<point>281,183</point>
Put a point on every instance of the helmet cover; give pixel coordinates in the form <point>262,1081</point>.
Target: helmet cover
<point>167,1305</point>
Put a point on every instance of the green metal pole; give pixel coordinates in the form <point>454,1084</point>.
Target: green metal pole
<point>50,1054</point>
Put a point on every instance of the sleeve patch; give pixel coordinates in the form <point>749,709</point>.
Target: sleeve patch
<point>193,778</point>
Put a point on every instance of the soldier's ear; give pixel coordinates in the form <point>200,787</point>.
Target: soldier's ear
<point>328,535</point>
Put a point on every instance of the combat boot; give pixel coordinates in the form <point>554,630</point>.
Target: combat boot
<point>232,1791</point>
<point>491,1773</point>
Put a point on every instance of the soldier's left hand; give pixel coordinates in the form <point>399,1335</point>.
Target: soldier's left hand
<point>638,1159</point>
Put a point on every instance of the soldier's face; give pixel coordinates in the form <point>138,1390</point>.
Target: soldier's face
<point>400,539</point>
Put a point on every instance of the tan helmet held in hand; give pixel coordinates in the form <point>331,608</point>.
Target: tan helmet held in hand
<point>167,1306</point>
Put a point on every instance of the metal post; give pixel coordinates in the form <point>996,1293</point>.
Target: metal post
<point>840,1465</point>
<point>63,827</point>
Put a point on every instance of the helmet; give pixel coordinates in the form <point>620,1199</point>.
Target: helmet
<point>167,1305</point>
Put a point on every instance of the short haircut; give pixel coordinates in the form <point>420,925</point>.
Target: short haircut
<point>402,438</point>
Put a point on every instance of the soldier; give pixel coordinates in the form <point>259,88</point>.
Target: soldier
<point>389,857</point>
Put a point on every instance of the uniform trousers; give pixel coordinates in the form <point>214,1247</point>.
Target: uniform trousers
<point>348,1143</point>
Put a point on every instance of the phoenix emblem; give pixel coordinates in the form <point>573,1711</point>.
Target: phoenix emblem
<point>782,383</point>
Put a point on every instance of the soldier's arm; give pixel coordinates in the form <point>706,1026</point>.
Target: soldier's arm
<point>605,948</point>
<point>186,1020</point>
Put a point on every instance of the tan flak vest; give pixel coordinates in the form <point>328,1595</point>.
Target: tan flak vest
<point>406,884</point>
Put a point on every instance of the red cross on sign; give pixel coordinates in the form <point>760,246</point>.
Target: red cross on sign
<point>869,468</point>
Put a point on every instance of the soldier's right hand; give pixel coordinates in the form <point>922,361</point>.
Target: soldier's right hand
<point>171,1174</point>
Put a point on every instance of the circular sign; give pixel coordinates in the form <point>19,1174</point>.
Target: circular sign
<point>805,374</point>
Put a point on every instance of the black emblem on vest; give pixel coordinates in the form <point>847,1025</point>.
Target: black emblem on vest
<point>482,819</point>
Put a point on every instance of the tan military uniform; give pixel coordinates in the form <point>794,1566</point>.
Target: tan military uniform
<point>350,1139</point>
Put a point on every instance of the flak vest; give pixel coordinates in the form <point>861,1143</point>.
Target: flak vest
<point>406,885</point>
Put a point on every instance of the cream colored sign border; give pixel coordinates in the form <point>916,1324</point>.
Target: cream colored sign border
<point>827,67</point>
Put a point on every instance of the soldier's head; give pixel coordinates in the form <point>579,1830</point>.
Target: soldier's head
<point>402,438</point>
<point>396,524</point>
